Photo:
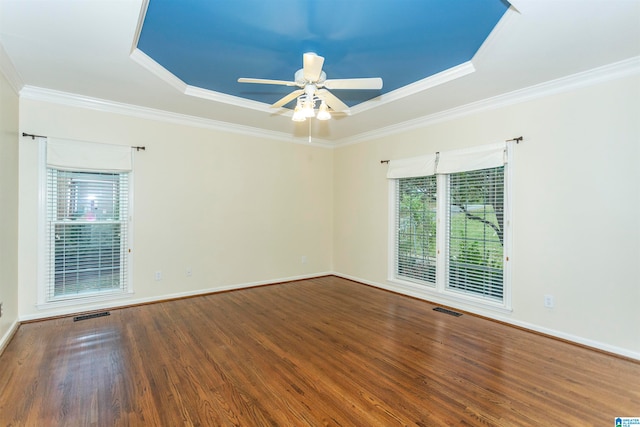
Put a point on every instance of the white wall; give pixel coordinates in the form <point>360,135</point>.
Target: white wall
<point>237,210</point>
<point>576,214</point>
<point>242,210</point>
<point>8,208</point>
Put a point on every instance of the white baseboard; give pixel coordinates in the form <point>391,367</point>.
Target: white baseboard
<point>114,304</point>
<point>8,335</point>
<point>496,316</point>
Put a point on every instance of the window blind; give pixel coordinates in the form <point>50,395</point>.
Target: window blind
<point>87,230</point>
<point>475,240</point>
<point>416,228</point>
<point>467,187</point>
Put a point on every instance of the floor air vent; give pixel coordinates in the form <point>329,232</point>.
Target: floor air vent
<point>444,310</point>
<point>91,316</point>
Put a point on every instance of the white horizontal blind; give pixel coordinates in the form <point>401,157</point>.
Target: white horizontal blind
<point>475,240</point>
<point>416,228</point>
<point>87,233</point>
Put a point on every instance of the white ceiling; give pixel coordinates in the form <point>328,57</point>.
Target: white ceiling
<point>84,48</point>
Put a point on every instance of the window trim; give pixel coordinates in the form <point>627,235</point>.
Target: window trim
<point>440,293</point>
<point>42,266</point>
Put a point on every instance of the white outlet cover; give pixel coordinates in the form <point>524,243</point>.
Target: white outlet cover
<point>548,301</point>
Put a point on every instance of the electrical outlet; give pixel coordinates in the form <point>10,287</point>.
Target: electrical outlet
<point>1,309</point>
<point>158,275</point>
<point>303,259</point>
<point>548,301</point>
<point>189,272</point>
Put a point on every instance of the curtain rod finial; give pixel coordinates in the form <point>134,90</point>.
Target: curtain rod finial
<point>518,139</point>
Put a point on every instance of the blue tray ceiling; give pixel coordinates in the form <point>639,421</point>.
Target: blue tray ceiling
<point>209,44</point>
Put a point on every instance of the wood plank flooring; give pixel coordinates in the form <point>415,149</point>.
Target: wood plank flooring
<point>320,352</point>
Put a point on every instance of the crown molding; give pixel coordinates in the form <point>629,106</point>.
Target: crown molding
<point>617,70</point>
<point>165,75</point>
<point>419,86</point>
<point>598,75</point>
<point>144,6</point>
<point>79,101</point>
<point>211,95</point>
<point>9,71</point>
<point>496,34</point>
<point>158,70</point>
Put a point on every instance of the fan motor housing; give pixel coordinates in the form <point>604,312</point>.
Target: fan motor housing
<point>300,81</point>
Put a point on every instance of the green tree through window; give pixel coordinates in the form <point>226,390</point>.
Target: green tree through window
<point>475,219</point>
<point>473,227</point>
<point>417,228</point>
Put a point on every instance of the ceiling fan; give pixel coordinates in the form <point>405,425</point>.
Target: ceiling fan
<point>313,84</point>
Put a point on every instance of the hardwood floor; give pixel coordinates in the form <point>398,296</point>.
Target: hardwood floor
<point>316,352</point>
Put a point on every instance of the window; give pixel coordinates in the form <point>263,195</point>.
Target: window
<point>449,224</point>
<point>416,236</point>
<point>475,236</point>
<point>87,222</point>
<point>86,217</point>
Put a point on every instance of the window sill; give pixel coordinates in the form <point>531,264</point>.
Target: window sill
<point>450,298</point>
<point>79,301</point>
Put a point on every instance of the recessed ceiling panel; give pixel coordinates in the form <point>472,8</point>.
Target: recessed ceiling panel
<point>210,44</point>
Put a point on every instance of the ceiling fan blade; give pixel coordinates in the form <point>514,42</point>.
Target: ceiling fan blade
<point>366,83</point>
<point>286,99</point>
<point>312,66</point>
<point>266,81</point>
<point>332,101</point>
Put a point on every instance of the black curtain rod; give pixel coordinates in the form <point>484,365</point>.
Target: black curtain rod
<point>518,140</point>
<point>32,136</point>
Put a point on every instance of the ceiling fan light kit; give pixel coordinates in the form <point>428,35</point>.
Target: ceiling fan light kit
<point>323,112</point>
<point>298,115</point>
<point>313,85</point>
<point>306,106</point>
